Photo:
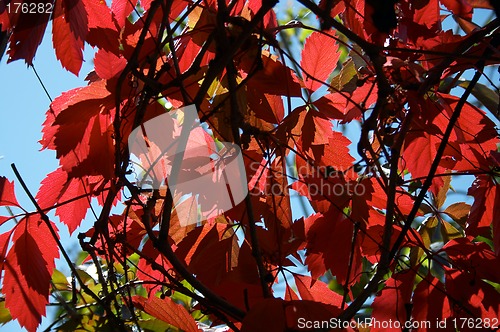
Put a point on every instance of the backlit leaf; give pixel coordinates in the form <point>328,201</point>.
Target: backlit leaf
<point>68,36</point>
<point>28,269</point>
<point>168,311</point>
<point>7,194</point>
<point>319,59</point>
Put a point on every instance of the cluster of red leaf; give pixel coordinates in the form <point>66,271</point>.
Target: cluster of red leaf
<point>378,220</point>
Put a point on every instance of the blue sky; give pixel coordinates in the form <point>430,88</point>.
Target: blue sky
<point>22,112</point>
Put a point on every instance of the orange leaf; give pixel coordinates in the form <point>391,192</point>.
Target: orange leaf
<point>168,311</point>
<point>458,212</point>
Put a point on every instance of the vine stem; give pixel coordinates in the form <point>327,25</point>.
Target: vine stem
<point>235,120</point>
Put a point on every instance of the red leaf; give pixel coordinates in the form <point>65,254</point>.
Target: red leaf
<point>323,183</point>
<point>423,140</point>
<point>57,188</point>
<point>316,130</point>
<point>79,128</point>
<point>285,239</point>
<point>99,15</point>
<point>477,299</point>
<point>260,177</point>
<point>275,78</point>
<point>319,59</point>
<point>480,4</point>
<point>146,4</point>
<point>187,50</point>
<point>134,232</point>
<point>428,14</point>
<point>67,35</point>
<point>269,21</point>
<point>76,16</point>
<point>483,213</point>
<point>430,302</point>
<point>335,153</point>
<point>326,106</point>
<point>316,290</point>
<point>102,29</point>
<point>444,41</point>
<point>28,269</point>
<point>290,294</point>
<point>168,311</point>
<point>78,105</point>
<point>4,244</point>
<point>279,202</point>
<point>27,36</point>
<point>393,302</point>
<point>121,10</point>
<point>353,17</point>
<point>329,247</point>
<point>178,226</point>
<point>352,105</point>
<point>474,258</point>
<point>336,8</point>
<point>278,315</point>
<point>419,155</point>
<point>108,65</point>
<point>7,194</point>
<point>268,315</point>
<point>373,237</point>
<point>461,8</point>
<point>213,253</point>
<point>147,271</point>
<point>241,287</point>
<point>266,106</point>
<point>189,245</point>
<point>466,25</point>
<point>474,132</point>
<point>472,264</point>
<point>177,7</point>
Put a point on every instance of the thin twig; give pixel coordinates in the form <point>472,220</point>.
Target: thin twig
<point>46,220</point>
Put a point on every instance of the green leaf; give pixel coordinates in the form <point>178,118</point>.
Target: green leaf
<point>427,231</point>
<point>86,278</point>
<point>4,313</point>
<point>348,76</point>
<point>449,232</point>
<point>154,325</point>
<point>346,79</point>
<point>60,281</point>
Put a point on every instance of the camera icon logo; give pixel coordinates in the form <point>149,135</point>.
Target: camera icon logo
<point>175,151</point>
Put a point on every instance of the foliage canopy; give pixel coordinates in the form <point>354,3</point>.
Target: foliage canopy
<point>378,236</point>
